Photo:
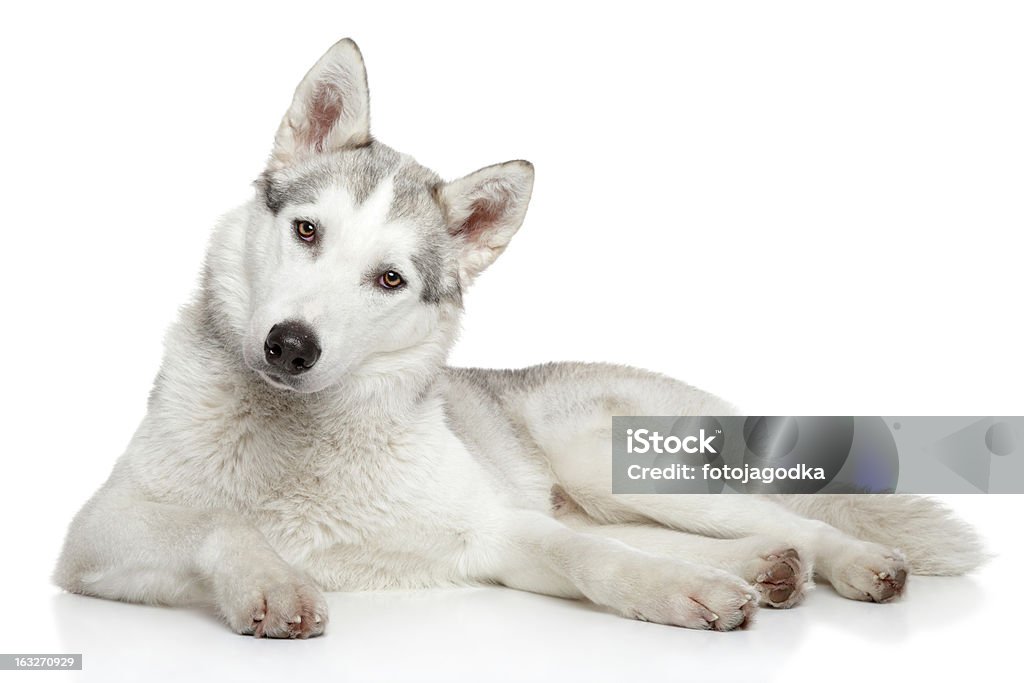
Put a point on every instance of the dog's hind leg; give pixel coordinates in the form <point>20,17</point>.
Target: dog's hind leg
<point>934,540</point>
<point>567,409</point>
<point>123,547</point>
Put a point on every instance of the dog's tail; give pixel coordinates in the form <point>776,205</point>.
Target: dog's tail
<point>933,539</point>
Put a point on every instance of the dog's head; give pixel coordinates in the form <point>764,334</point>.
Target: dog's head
<point>354,256</point>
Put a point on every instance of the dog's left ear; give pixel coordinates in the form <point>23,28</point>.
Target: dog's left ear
<point>484,210</point>
<point>330,110</point>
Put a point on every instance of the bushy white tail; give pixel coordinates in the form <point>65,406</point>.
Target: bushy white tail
<point>934,540</point>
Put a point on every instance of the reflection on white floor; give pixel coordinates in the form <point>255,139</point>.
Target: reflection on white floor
<point>500,634</point>
<point>945,628</point>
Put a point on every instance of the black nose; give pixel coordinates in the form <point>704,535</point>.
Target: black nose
<point>292,346</point>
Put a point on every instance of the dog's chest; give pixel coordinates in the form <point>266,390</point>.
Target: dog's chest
<point>335,492</point>
<point>356,503</point>
<point>384,519</point>
<point>317,484</point>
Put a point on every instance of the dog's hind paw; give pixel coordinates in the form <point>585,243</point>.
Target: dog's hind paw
<point>870,572</point>
<point>779,577</point>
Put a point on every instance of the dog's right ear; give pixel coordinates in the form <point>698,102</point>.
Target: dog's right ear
<point>331,108</point>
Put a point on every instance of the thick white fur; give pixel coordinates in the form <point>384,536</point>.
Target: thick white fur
<point>381,468</point>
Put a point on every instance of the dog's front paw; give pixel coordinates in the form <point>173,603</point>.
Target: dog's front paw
<point>693,597</point>
<point>868,572</point>
<point>273,604</point>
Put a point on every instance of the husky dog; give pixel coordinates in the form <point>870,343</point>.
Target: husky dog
<point>304,434</point>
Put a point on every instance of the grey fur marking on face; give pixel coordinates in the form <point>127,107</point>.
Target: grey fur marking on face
<point>440,283</point>
<point>360,170</point>
<point>357,169</point>
<point>415,202</point>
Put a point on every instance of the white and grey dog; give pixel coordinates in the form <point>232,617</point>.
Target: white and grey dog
<point>305,435</point>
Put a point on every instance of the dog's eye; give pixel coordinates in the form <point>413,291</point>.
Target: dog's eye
<point>305,230</point>
<point>390,280</point>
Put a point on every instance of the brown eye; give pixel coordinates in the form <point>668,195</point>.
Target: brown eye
<point>390,280</point>
<point>305,230</point>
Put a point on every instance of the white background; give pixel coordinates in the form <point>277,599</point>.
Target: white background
<point>807,208</point>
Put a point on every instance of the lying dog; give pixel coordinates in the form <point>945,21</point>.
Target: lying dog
<point>304,433</point>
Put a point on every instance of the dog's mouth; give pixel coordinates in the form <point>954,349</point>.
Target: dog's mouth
<point>278,381</point>
<point>298,385</point>
<point>272,376</point>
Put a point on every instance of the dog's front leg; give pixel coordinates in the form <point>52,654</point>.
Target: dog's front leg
<point>541,555</point>
<point>125,548</point>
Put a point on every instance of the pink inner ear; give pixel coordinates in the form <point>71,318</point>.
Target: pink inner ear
<point>325,109</point>
<point>484,214</point>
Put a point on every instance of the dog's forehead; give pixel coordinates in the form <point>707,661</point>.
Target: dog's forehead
<point>363,174</point>
<point>381,189</point>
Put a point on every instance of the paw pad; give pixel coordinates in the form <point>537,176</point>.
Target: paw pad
<point>889,586</point>
<point>780,581</point>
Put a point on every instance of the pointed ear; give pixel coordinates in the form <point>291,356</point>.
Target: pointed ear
<point>484,210</point>
<point>331,108</point>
